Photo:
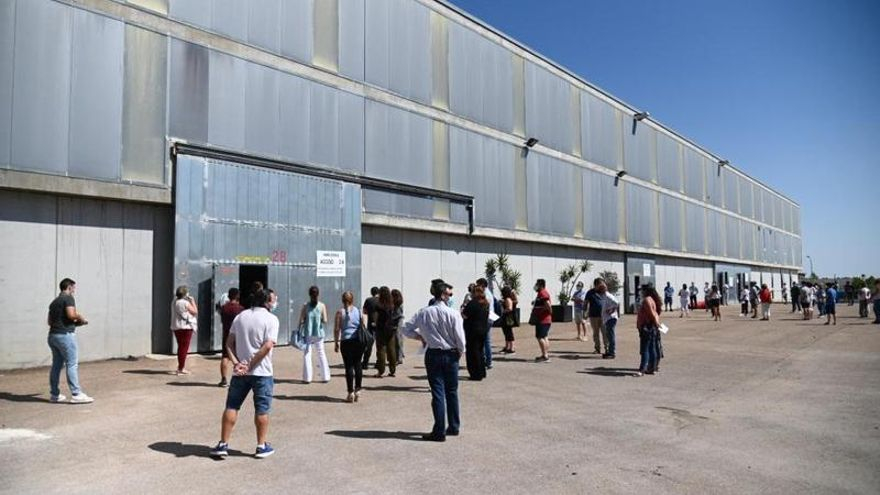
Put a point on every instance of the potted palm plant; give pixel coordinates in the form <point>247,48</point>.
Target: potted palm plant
<point>568,277</point>
<point>498,271</point>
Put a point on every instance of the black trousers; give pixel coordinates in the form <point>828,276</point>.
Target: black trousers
<point>352,352</point>
<point>475,356</point>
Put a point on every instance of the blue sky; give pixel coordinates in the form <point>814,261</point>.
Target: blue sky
<point>787,90</point>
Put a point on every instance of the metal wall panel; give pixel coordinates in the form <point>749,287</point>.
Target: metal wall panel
<point>694,167</point>
<point>671,213</point>
<point>695,228</point>
<point>641,215</point>
<point>196,12</point>
<point>601,207</point>
<point>767,206</point>
<point>714,191</point>
<point>796,217</point>
<point>399,147</point>
<point>398,47</point>
<point>484,168</point>
<point>639,151</point>
<point>324,136</point>
<point>261,132</point>
<point>734,233</point>
<point>548,108</point>
<point>96,96</point>
<point>144,106</point>
<point>480,78</point>
<point>41,86</point>
<point>188,91</point>
<point>297,29</point>
<point>731,190</point>
<point>746,198</point>
<point>7,53</point>
<point>668,162</point>
<point>758,193</point>
<point>715,232</point>
<point>326,30</point>
<point>601,132</point>
<point>264,26</point>
<point>230,17</point>
<point>227,76</point>
<point>748,240</point>
<point>550,197</point>
<point>351,38</point>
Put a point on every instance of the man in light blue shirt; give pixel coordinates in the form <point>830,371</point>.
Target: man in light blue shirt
<point>441,330</point>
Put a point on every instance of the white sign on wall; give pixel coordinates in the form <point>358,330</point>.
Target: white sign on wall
<point>646,269</point>
<point>331,263</point>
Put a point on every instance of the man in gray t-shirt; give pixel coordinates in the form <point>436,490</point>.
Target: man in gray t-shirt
<point>63,319</point>
<point>251,340</point>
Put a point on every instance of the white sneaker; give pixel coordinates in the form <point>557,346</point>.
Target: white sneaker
<point>57,398</point>
<point>81,398</point>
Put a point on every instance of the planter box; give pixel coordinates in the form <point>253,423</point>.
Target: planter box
<point>562,314</point>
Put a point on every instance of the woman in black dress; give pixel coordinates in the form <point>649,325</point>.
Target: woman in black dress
<point>476,325</point>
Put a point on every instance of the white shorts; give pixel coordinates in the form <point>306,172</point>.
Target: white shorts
<point>578,315</point>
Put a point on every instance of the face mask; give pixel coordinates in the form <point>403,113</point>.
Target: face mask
<point>537,288</point>
<point>273,306</point>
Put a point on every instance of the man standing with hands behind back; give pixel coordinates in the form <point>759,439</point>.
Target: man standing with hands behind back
<point>441,330</point>
<point>62,320</point>
<point>251,340</point>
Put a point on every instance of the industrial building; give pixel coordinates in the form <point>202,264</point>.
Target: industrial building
<point>344,143</point>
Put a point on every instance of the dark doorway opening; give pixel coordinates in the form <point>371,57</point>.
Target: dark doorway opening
<point>247,276</point>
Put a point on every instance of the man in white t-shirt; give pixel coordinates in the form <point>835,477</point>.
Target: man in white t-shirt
<point>610,314</point>
<point>864,297</point>
<point>579,298</point>
<point>251,340</point>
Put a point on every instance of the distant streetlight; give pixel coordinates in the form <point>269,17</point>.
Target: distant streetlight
<point>811,265</point>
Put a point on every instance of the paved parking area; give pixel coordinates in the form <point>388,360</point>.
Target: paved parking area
<point>741,406</point>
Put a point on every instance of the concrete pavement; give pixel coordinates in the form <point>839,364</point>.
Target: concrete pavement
<point>740,406</point>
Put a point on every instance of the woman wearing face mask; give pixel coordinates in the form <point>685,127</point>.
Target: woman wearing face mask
<point>312,319</point>
<point>272,303</point>
<point>347,320</point>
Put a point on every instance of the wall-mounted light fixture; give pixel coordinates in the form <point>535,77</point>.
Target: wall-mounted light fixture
<point>618,176</point>
<point>638,117</point>
<point>723,163</point>
<point>531,142</point>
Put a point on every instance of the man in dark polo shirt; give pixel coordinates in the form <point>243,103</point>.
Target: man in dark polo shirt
<point>62,320</point>
<point>594,300</point>
<point>228,312</point>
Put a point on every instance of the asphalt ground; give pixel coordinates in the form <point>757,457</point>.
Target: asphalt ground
<point>740,406</point>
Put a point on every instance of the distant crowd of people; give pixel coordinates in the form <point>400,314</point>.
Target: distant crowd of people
<point>446,331</point>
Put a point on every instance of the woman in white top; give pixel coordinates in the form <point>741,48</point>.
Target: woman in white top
<point>312,320</point>
<point>183,324</point>
<point>684,296</point>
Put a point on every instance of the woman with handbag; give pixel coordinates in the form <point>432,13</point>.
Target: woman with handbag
<point>312,319</point>
<point>184,324</point>
<point>542,316</point>
<point>508,319</point>
<point>348,320</point>
<point>476,325</point>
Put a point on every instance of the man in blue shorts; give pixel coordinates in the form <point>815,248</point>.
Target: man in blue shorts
<point>251,339</point>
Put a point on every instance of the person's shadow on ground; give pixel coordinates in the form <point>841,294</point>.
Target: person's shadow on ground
<point>22,397</point>
<point>602,371</point>
<point>190,450</point>
<point>376,434</point>
<point>311,398</point>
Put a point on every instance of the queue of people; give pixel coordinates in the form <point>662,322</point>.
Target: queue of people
<point>446,332</point>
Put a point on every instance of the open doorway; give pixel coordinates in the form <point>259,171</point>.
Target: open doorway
<point>247,275</point>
